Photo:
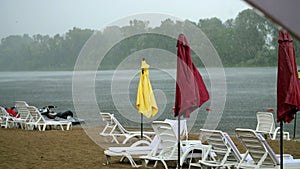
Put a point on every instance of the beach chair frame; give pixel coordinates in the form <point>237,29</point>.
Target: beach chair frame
<point>115,130</point>
<point>23,114</point>
<point>223,152</point>
<point>6,120</point>
<point>41,123</point>
<point>261,153</point>
<point>266,126</point>
<point>143,149</point>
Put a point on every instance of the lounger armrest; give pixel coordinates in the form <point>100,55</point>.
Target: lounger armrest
<point>191,142</point>
<point>129,136</point>
<point>277,130</point>
<point>144,132</point>
<point>189,150</point>
<point>285,133</point>
<point>140,142</point>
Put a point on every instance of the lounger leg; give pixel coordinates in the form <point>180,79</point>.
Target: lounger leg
<point>108,159</point>
<point>132,162</point>
<point>122,158</point>
<point>29,127</point>
<point>105,128</point>
<point>62,128</point>
<point>69,126</point>
<point>155,164</point>
<point>165,164</point>
<point>36,126</point>
<point>287,135</point>
<point>6,123</point>
<point>44,127</point>
<point>145,163</point>
<point>273,137</point>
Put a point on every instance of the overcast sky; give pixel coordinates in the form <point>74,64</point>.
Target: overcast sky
<point>58,16</point>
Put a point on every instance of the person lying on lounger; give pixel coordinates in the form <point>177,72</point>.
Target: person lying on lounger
<point>47,111</point>
<point>12,111</point>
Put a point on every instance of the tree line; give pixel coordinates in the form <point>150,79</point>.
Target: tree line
<point>247,40</point>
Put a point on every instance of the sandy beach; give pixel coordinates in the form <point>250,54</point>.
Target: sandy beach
<point>74,149</point>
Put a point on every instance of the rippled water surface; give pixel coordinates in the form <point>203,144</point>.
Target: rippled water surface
<point>248,90</point>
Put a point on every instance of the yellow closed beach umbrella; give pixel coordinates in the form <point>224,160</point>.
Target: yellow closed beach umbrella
<point>145,102</point>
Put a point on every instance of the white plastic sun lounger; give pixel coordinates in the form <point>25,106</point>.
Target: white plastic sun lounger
<point>6,120</point>
<point>223,153</point>
<point>266,125</point>
<point>137,149</point>
<point>261,153</point>
<point>23,113</point>
<point>168,140</point>
<point>142,147</point>
<point>41,123</point>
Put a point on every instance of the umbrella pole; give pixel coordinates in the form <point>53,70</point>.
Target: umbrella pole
<point>281,144</point>
<point>294,136</point>
<point>141,126</point>
<point>178,144</point>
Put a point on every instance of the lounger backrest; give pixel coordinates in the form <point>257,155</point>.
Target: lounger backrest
<point>168,139</point>
<point>257,147</point>
<point>235,155</point>
<point>35,115</point>
<point>21,107</point>
<point>111,121</point>
<point>265,122</point>
<point>220,145</point>
<point>120,127</point>
<point>270,151</point>
<point>155,140</point>
<point>107,117</point>
<point>42,119</point>
<point>183,127</point>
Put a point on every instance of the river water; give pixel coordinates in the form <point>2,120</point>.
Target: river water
<point>248,90</point>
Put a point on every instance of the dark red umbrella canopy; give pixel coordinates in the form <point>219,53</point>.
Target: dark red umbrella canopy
<point>191,91</point>
<point>288,91</point>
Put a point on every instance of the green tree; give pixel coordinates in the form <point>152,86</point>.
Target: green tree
<point>220,36</point>
<point>252,39</point>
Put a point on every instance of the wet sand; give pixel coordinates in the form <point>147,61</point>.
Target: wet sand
<point>73,149</point>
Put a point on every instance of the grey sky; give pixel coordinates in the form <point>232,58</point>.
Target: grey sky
<point>58,16</point>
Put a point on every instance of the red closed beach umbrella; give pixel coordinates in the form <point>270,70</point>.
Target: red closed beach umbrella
<point>288,95</point>
<point>288,92</point>
<point>191,91</point>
